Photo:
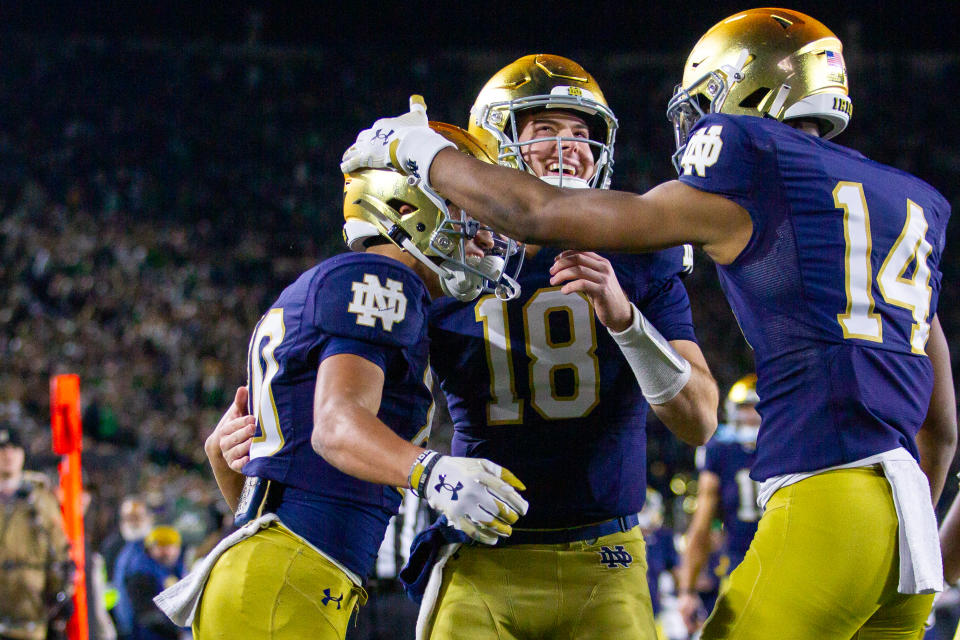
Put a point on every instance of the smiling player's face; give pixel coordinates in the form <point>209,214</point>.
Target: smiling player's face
<point>544,157</point>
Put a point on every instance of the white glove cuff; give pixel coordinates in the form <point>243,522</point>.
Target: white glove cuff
<point>661,372</point>
<point>416,149</point>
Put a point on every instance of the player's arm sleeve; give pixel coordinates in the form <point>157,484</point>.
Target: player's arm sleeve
<point>373,327</point>
<point>735,162</point>
<point>667,307</point>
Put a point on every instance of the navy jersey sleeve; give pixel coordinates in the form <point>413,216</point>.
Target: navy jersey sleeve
<point>667,307</point>
<point>367,310</point>
<point>723,158</point>
<point>727,157</point>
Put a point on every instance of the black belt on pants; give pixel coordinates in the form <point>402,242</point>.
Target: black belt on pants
<point>572,534</point>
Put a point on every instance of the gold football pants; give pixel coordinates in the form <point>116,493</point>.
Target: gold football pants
<point>275,586</point>
<point>591,589</point>
<point>824,564</point>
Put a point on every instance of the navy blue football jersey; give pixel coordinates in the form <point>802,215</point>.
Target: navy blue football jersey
<point>834,291</point>
<point>361,304</point>
<point>730,458</point>
<point>538,386</point>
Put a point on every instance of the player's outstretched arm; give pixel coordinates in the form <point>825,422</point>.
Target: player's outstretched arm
<point>477,496</point>
<point>937,438</point>
<point>227,447</point>
<point>523,207</point>
<point>697,552</point>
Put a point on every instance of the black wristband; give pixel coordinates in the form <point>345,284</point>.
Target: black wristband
<point>420,471</point>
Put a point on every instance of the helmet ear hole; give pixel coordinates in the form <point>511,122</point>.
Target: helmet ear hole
<point>399,205</point>
<point>751,101</point>
<point>702,101</point>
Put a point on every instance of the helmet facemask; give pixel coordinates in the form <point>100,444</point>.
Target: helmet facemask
<point>511,150</point>
<point>706,95</point>
<point>543,82</point>
<point>468,276</point>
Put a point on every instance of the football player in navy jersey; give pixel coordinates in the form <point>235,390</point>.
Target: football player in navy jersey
<point>338,366</point>
<point>536,384</point>
<point>830,262</point>
<point>726,491</point>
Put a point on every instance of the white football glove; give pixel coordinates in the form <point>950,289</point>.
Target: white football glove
<point>405,143</point>
<point>477,496</point>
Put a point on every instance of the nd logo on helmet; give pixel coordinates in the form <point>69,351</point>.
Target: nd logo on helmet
<point>574,91</point>
<point>702,150</point>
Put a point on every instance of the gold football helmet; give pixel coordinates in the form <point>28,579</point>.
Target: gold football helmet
<point>743,392</point>
<point>543,81</point>
<point>372,199</point>
<point>771,63</point>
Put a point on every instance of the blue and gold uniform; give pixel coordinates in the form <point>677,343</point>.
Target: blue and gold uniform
<point>834,291</point>
<point>730,456</point>
<point>330,523</point>
<point>538,386</point>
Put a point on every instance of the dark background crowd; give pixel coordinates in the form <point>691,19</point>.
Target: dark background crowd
<point>156,196</point>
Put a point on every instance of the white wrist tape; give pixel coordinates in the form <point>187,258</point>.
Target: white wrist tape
<point>415,150</point>
<point>661,372</point>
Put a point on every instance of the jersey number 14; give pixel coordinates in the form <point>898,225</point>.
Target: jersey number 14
<point>860,320</point>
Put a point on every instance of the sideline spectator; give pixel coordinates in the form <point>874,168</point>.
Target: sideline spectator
<point>147,575</point>
<point>36,583</point>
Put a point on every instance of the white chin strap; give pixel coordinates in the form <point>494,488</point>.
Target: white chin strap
<point>567,182</point>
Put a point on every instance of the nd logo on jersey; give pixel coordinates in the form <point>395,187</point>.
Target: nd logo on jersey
<point>703,150</point>
<point>372,300</point>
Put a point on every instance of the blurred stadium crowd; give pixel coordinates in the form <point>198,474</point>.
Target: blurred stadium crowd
<point>155,198</point>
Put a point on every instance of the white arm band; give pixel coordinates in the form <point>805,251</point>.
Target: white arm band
<point>661,372</point>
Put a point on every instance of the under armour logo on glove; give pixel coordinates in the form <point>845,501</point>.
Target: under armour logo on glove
<point>477,496</point>
<point>380,135</point>
<point>615,557</point>
<point>443,484</point>
<point>327,597</point>
<point>412,168</point>
<point>405,143</point>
